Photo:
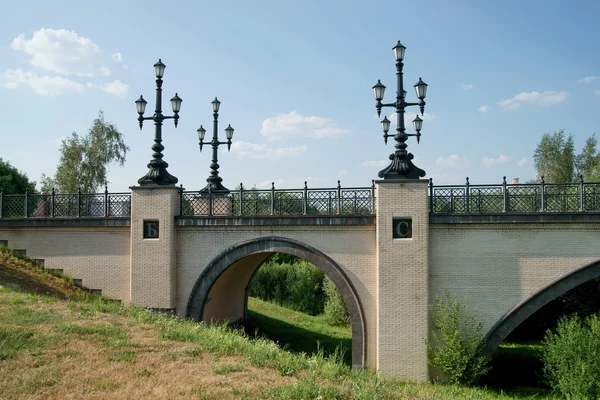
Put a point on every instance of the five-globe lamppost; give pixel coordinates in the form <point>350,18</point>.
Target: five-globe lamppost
<point>401,166</point>
<point>214,180</point>
<point>157,174</point>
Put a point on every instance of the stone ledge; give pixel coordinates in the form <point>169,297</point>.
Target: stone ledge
<point>276,220</point>
<point>514,218</point>
<point>64,222</point>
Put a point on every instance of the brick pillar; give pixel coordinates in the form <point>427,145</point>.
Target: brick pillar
<point>153,259</point>
<point>402,274</point>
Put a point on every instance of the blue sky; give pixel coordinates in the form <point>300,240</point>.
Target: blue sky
<point>295,79</point>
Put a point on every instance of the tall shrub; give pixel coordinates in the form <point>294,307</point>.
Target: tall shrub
<point>571,357</point>
<point>335,310</point>
<point>457,341</point>
<point>298,286</point>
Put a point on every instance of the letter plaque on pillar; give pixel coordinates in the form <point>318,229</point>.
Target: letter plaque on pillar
<point>150,229</point>
<point>402,228</point>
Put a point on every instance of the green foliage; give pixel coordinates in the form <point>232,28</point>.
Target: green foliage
<point>13,181</point>
<point>555,159</point>
<point>84,160</point>
<point>336,313</point>
<point>457,341</point>
<point>298,286</point>
<point>571,357</point>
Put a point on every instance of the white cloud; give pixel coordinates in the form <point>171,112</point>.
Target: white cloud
<point>117,88</point>
<point>466,86</point>
<point>117,56</point>
<point>522,162</point>
<point>490,162</point>
<point>547,98</point>
<point>374,163</point>
<point>453,160</point>
<point>483,108</point>
<point>63,52</point>
<point>295,124</point>
<point>589,79</point>
<point>253,151</point>
<point>42,85</point>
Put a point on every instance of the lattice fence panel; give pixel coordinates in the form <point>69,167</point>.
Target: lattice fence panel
<point>562,198</point>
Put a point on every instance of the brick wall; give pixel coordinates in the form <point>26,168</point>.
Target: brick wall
<point>153,270</point>
<point>98,256</point>
<point>497,265</point>
<point>402,267</point>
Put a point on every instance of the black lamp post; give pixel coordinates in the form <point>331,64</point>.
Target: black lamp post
<point>214,180</point>
<point>401,166</point>
<point>157,174</point>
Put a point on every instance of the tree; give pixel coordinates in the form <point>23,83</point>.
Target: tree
<point>13,181</point>
<point>587,163</point>
<point>554,157</point>
<point>84,160</point>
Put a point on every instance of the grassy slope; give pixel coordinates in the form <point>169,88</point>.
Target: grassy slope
<point>297,331</point>
<point>94,349</point>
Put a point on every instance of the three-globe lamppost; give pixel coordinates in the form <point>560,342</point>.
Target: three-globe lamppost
<point>401,166</point>
<point>158,174</point>
<point>214,180</point>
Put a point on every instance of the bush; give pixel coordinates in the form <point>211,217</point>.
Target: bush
<point>336,313</point>
<point>457,342</point>
<point>571,357</point>
<point>298,286</point>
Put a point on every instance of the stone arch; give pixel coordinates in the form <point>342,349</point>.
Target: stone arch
<point>532,303</point>
<point>261,249</point>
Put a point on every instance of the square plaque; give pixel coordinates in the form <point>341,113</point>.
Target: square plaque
<point>150,229</point>
<point>402,228</point>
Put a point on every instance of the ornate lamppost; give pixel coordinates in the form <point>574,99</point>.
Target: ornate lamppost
<point>157,174</point>
<point>214,180</point>
<point>401,166</point>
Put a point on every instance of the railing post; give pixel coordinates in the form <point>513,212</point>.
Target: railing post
<point>580,192</point>
<point>106,205</point>
<point>210,201</point>
<point>241,199</point>
<point>272,198</point>
<point>452,201</point>
<point>181,200</point>
<point>543,194</point>
<point>26,203</point>
<point>52,203</point>
<point>339,198</point>
<point>1,203</point>
<point>504,195</point>
<point>479,201</point>
<point>305,196</point>
<point>372,195</point>
<point>468,206</point>
<point>79,201</point>
<point>431,195</point>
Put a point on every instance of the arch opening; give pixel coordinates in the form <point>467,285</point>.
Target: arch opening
<point>522,328</point>
<point>220,293</point>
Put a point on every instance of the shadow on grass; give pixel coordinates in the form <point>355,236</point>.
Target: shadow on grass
<point>517,366</point>
<point>295,338</point>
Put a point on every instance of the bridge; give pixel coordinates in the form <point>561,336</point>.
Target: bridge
<point>391,248</point>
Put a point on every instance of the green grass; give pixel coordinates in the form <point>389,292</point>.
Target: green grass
<point>313,374</point>
<point>296,331</point>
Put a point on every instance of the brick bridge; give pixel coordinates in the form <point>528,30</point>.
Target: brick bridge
<point>391,249</point>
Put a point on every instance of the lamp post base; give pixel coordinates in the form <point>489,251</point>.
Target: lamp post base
<point>158,174</point>
<point>401,167</point>
<point>215,187</point>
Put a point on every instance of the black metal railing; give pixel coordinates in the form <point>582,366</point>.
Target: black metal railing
<point>515,198</point>
<point>50,205</point>
<point>265,202</point>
